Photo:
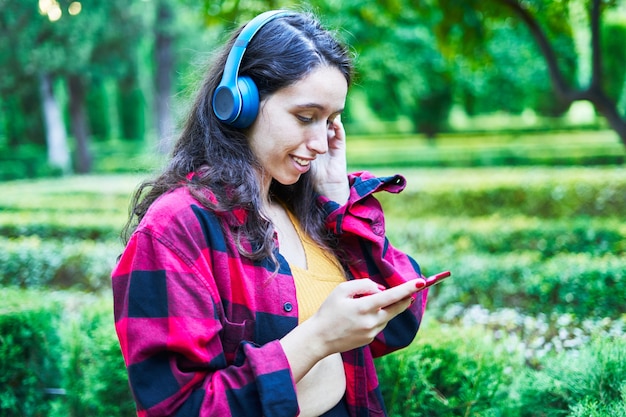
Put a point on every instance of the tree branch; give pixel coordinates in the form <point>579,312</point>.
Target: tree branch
<point>596,50</point>
<point>563,91</point>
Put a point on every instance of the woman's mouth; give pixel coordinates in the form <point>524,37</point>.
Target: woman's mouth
<point>302,162</point>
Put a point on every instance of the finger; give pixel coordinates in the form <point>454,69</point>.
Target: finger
<point>339,129</point>
<point>332,130</point>
<point>398,307</point>
<point>393,295</point>
<point>360,287</point>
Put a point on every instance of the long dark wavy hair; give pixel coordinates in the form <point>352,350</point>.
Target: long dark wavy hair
<point>284,51</point>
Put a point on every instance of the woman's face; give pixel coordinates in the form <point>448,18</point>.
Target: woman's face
<point>294,124</point>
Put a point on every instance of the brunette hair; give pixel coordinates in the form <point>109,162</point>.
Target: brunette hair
<point>283,52</point>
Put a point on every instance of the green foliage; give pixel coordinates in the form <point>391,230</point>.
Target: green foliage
<point>98,114</point>
<point>131,107</point>
<point>592,408</point>
<point>581,284</point>
<point>614,54</point>
<point>589,382</point>
<point>34,263</point>
<point>545,237</point>
<point>556,193</point>
<point>537,148</point>
<point>94,374</point>
<point>28,351</point>
<point>445,373</point>
<point>501,235</point>
<point>59,356</point>
<point>400,70</point>
<point>449,371</point>
<point>98,43</point>
<point>23,115</point>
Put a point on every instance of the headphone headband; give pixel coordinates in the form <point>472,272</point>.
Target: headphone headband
<point>236,99</point>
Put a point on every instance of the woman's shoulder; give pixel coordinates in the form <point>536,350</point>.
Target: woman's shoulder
<point>173,209</point>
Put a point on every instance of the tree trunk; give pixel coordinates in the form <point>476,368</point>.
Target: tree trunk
<point>164,57</point>
<point>79,127</point>
<point>608,108</point>
<point>56,136</point>
<point>594,93</point>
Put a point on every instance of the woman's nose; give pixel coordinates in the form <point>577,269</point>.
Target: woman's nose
<point>318,141</point>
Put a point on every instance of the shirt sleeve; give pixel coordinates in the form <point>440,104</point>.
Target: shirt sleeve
<point>167,318</point>
<point>360,228</point>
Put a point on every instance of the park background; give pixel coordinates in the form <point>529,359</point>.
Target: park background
<point>507,117</point>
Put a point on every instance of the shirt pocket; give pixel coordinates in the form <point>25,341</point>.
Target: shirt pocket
<point>234,333</point>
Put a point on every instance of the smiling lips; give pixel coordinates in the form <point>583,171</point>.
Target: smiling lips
<point>302,162</point>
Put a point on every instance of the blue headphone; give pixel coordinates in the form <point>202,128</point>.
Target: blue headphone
<point>236,99</point>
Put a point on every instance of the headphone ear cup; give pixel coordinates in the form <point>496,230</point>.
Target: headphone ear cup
<point>249,102</point>
<point>226,103</point>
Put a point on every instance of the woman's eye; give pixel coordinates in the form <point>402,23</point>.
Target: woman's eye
<point>304,119</point>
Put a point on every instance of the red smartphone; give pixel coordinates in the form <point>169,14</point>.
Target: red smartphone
<point>434,279</point>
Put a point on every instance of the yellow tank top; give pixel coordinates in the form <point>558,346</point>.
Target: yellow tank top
<point>314,284</point>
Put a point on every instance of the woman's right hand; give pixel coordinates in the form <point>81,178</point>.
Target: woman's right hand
<point>351,317</point>
<point>358,310</point>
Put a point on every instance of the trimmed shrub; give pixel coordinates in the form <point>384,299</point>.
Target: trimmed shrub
<point>513,192</point>
<point>31,262</point>
<point>29,352</point>
<point>588,382</point>
<point>94,374</point>
<point>504,149</point>
<point>59,356</point>
<point>498,235</point>
<point>580,284</point>
<point>61,225</point>
<point>452,371</point>
<point>445,373</point>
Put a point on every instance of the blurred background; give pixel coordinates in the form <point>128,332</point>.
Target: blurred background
<point>86,85</point>
<point>508,118</point>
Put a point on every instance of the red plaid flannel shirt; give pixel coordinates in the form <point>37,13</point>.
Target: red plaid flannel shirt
<point>199,325</point>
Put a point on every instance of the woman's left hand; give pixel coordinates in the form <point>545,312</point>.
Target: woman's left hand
<point>330,169</point>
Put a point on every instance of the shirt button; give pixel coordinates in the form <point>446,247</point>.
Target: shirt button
<point>287,306</point>
<point>378,229</point>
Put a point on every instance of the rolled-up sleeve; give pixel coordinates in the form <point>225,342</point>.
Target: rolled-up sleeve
<point>367,253</point>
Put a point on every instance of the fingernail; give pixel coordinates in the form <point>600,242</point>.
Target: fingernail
<point>420,284</point>
<point>381,287</point>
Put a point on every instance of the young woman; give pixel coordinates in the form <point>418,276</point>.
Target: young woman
<point>257,280</point>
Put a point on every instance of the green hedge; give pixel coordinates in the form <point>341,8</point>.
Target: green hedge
<point>59,356</point>
<point>501,235</point>
<point>84,225</point>
<point>450,372</point>
<point>29,352</point>
<point>25,162</point>
<point>590,382</point>
<point>571,193</point>
<point>486,150</point>
<point>94,375</point>
<point>31,262</point>
<point>63,201</point>
<point>581,284</point>
<point>446,373</point>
